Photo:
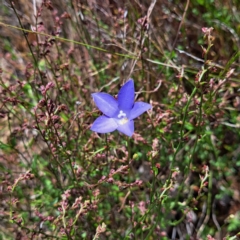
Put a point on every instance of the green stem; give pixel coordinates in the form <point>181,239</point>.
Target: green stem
<point>183,123</point>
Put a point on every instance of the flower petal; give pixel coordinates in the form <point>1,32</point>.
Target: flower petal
<point>127,128</point>
<point>104,124</point>
<point>126,96</point>
<point>138,109</point>
<point>106,103</point>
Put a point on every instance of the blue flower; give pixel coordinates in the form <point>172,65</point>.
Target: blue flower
<point>118,114</point>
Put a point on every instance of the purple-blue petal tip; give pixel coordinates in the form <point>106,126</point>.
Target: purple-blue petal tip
<point>126,96</point>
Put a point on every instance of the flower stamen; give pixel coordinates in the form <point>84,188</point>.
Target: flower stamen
<point>121,114</point>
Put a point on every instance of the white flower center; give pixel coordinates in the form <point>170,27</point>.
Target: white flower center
<point>121,114</point>
<point>123,119</point>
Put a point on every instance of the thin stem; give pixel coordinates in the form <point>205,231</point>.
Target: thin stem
<point>132,56</point>
<point>183,123</point>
